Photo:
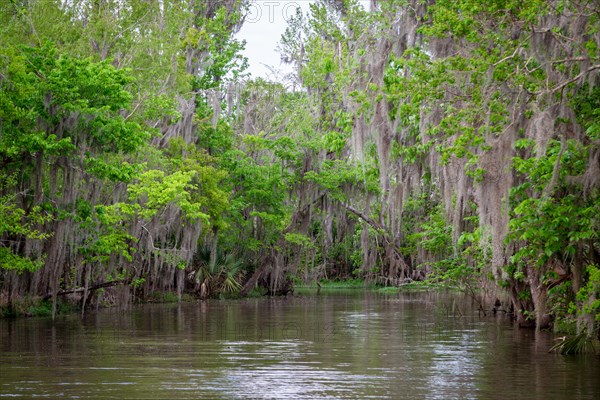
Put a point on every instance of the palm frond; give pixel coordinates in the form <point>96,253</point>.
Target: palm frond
<point>231,284</point>
<point>580,344</point>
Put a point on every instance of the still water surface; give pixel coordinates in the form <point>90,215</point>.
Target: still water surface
<point>357,345</point>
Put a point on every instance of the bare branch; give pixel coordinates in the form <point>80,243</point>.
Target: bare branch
<point>576,78</point>
<point>569,81</point>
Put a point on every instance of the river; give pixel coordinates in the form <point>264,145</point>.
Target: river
<point>339,345</point>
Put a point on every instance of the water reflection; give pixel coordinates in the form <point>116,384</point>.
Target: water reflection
<point>360,345</point>
<point>455,365</point>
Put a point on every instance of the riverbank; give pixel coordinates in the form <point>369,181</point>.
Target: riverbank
<point>42,307</point>
<point>349,284</point>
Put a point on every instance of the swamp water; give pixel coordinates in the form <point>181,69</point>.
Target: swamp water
<point>347,345</point>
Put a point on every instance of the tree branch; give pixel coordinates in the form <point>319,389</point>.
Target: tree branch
<point>82,289</point>
<point>576,78</point>
<point>377,226</point>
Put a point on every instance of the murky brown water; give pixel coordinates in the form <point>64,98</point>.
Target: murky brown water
<point>356,345</point>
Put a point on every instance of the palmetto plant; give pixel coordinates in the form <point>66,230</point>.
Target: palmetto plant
<point>221,276</point>
<point>580,344</point>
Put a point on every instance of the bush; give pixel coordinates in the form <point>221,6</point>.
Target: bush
<point>35,307</point>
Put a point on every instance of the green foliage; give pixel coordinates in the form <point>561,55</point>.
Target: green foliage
<point>209,187</point>
<point>11,261</point>
<point>259,180</point>
<point>109,235</point>
<point>586,105</point>
<point>336,176</point>
<point>154,191</point>
<point>213,36</point>
<point>15,222</point>
<point>589,295</point>
<point>62,88</point>
<point>551,226</point>
<point>560,303</point>
<point>84,115</point>
<point>299,239</point>
<point>435,234</point>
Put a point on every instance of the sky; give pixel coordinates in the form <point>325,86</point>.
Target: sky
<point>265,23</point>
